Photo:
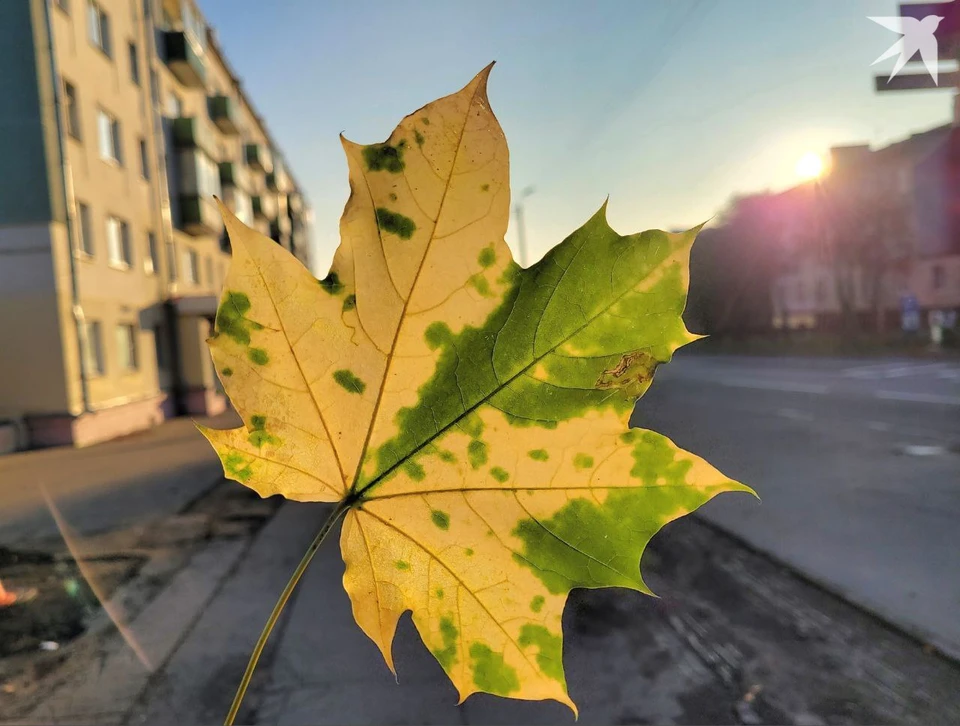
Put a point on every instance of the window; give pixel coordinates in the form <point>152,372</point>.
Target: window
<point>172,261</point>
<point>144,160</point>
<point>210,280</point>
<point>151,262</point>
<point>134,63</point>
<point>192,262</point>
<point>938,276</point>
<point>174,105</point>
<point>84,229</point>
<point>119,253</point>
<point>91,344</point>
<point>154,88</point>
<point>126,339</point>
<point>98,26</point>
<point>109,129</point>
<point>72,109</point>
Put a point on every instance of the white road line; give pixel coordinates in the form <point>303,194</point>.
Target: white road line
<point>918,397</point>
<point>787,386</point>
<point>794,415</point>
<point>913,369</point>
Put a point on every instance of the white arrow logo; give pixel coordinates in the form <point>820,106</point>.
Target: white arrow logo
<point>918,35</point>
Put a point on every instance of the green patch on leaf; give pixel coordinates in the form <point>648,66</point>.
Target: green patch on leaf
<point>258,356</point>
<point>349,302</point>
<point>437,334</point>
<point>259,436</point>
<point>448,654</point>
<point>549,649</point>
<point>414,470</point>
<point>538,454</point>
<point>418,137</point>
<point>395,223</point>
<point>468,552</point>
<point>348,381</point>
<point>438,593</point>
<point>402,565</point>
<point>441,519</point>
<point>331,284</point>
<point>490,672</point>
<point>487,257</point>
<point>238,466</point>
<point>537,603</point>
<point>383,157</point>
<point>481,285</point>
<point>230,317</point>
<point>477,453</point>
<point>484,187</point>
<point>582,461</point>
<point>447,456</point>
<point>227,372</point>
<point>499,474</point>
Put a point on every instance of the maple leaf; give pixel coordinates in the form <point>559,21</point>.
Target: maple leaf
<point>469,415</point>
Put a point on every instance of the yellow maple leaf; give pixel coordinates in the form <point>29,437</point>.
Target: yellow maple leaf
<point>469,415</point>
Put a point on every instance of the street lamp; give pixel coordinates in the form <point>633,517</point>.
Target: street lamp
<point>521,230</point>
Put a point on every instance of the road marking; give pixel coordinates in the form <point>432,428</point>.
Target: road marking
<point>787,386</point>
<point>918,397</point>
<point>794,415</point>
<point>901,370</point>
<point>922,450</point>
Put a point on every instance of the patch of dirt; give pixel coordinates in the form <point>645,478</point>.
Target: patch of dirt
<point>64,601</point>
<point>131,567</point>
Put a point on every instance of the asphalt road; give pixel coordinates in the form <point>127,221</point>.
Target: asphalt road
<point>857,465</point>
<point>106,487</point>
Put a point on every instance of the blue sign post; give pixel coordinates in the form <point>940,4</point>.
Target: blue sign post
<point>909,313</point>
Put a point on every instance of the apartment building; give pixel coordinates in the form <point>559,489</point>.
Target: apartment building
<point>120,121</point>
<point>882,226</point>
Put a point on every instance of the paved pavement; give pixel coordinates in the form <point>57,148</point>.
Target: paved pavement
<point>861,491</point>
<point>857,465</point>
<point>108,486</point>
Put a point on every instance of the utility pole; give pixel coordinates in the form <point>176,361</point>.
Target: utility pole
<point>521,229</point>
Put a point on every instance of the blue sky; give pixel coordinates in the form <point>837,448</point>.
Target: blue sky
<point>669,106</point>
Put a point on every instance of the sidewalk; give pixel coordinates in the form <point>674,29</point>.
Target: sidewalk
<point>107,486</point>
<point>733,639</point>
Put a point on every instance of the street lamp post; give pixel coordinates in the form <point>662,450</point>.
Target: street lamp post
<point>521,229</point>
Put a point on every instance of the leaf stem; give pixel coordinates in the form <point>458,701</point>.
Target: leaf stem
<point>337,513</point>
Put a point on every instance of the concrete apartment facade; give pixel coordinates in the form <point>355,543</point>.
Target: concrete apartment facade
<point>121,120</point>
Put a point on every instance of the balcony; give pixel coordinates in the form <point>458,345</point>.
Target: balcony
<point>223,112</point>
<point>234,174</point>
<point>190,132</point>
<point>199,215</point>
<point>258,157</point>
<point>265,206</point>
<point>185,59</point>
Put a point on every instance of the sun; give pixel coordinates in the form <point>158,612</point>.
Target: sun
<point>810,166</point>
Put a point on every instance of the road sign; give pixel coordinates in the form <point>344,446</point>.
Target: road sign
<point>915,81</point>
<point>909,313</point>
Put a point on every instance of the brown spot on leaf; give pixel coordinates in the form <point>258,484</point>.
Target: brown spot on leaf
<point>632,374</point>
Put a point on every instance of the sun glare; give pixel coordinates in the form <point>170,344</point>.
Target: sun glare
<point>810,166</point>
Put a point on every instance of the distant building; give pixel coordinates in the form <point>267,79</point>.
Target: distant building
<point>881,226</point>
<point>120,120</point>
